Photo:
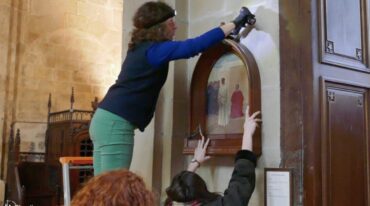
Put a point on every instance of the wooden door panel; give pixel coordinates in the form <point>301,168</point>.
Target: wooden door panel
<point>344,40</point>
<point>344,30</point>
<point>344,146</point>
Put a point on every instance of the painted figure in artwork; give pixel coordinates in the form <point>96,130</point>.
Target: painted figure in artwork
<point>237,100</point>
<point>223,117</point>
<point>212,95</point>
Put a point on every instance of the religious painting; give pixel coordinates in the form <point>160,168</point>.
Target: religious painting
<point>225,80</point>
<point>227,96</point>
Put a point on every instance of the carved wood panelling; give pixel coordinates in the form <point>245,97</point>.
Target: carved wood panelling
<point>344,39</point>
<point>345,145</point>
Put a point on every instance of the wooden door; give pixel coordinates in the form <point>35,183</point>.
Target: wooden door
<point>344,145</point>
<point>325,79</point>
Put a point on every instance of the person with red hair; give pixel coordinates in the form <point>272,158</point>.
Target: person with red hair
<point>114,188</point>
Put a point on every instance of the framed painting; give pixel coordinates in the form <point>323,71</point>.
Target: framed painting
<point>225,80</point>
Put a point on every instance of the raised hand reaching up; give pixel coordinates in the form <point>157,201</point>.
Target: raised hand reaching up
<point>250,124</point>
<point>199,154</point>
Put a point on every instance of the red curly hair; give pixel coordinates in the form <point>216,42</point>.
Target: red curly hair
<point>114,188</point>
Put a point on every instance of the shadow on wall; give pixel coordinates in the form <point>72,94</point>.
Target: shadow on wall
<point>263,42</point>
<point>267,22</point>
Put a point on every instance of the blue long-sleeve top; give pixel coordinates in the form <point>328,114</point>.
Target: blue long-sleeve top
<point>144,71</point>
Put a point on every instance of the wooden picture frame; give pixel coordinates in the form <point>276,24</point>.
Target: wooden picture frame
<point>278,186</point>
<point>231,65</point>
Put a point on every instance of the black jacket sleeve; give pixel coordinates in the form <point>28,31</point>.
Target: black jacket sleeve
<point>242,183</point>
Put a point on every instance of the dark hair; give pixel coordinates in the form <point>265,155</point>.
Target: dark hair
<point>187,187</point>
<point>148,22</point>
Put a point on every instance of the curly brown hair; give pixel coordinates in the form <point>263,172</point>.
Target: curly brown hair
<point>114,188</point>
<point>149,23</point>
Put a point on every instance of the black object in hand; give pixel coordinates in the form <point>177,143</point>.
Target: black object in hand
<point>244,17</point>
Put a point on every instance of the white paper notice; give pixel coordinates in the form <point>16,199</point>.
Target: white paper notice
<point>277,188</point>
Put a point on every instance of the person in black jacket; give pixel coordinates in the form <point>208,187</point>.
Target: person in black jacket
<point>188,188</point>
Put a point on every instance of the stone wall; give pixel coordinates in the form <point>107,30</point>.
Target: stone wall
<point>64,44</point>
<point>4,39</point>
<point>52,46</point>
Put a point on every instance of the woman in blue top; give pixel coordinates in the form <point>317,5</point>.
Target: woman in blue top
<point>130,102</point>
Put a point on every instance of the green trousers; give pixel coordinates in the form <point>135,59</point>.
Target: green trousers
<point>113,140</point>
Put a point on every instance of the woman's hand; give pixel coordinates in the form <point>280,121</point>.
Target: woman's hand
<point>200,151</point>
<point>250,124</point>
<point>199,154</point>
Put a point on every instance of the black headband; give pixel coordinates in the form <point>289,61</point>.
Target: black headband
<point>164,18</point>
